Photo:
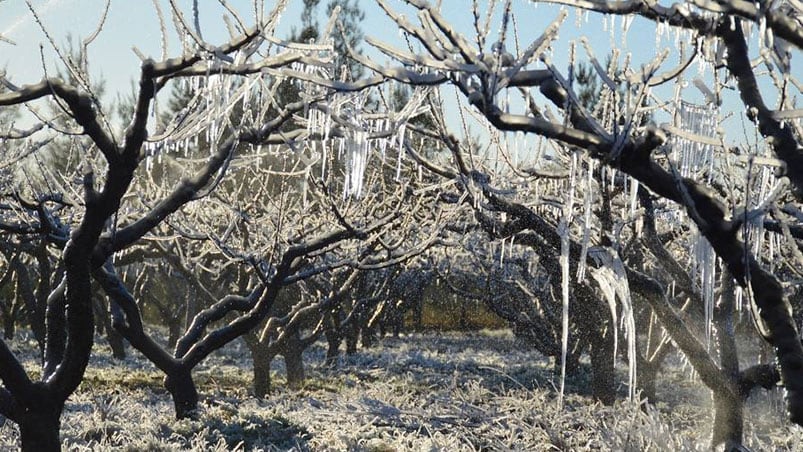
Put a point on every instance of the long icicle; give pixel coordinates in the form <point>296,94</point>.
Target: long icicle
<point>564,268</point>
<point>587,220</point>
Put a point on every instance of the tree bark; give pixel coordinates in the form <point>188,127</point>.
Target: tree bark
<point>602,364</point>
<point>293,361</point>
<point>182,389</point>
<point>37,412</point>
<point>34,302</point>
<point>728,419</point>
<point>352,334</point>
<point>113,337</point>
<point>8,325</point>
<point>646,378</point>
<point>262,380</point>
<point>116,343</point>
<point>39,428</point>
<point>333,338</point>
<point>728,405</point>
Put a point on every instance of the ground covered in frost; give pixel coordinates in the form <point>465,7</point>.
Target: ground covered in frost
<point>454,391</point>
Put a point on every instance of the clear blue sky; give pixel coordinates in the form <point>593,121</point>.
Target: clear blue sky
<point>133,23</point>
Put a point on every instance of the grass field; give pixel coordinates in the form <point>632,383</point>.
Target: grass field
<point>449,391</point>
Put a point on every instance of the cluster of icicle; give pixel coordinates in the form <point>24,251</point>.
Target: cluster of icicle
<point>693,153</point>
<point>694,158</point>
<point>361,133</point>
<point>577,193</point>
<point>208,114</point>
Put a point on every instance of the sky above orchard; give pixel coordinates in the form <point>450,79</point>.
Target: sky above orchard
<point>135,24</point>
<point>132,23</point>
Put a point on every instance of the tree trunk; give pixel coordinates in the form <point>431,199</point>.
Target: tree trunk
<point>602,364</point>
<point>333,349</point>
<point>728,408</point>
<point>39,432</point>
<point>418,314</point>
<point>181,387</point>
<point>173,332</point>
<point>728,420</point>
<point>262,360</point>
<point>8,326</point>
<point>331,332</point>
<point>645,378</point>
<point>113,337</point>
<point>352,334</point>
<point>368,338</point>
<point>39,423</point>
<point>116,343</point>
<point>293,362</point>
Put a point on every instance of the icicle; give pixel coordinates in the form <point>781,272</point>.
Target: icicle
<point>305,188</point>
<point>660,29</point>
<point>565,234</point>
<point>587,220</point>
<point>612,279</point>
<point>634,185</point>
<point>626,23</point>
<point>604,279</point>
<point>563,230</point>
<point>401,151</point>
<point>705,264</point>
<point>502,254</point>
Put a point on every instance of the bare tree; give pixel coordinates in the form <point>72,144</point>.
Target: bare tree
<point>486,73</point>
<point>91,226</point>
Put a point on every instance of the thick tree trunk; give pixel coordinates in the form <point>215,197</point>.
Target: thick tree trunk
<point>8,326</point>
<point>38,420</point>
<point>333,337</point>
<point>602,364</point>
<point>572,362</point>
<point>293,362</point>
<point>113,337</point>
<point>181,387</point>
<point>333,349</point>
<point>262,381</point>
<point>728,405</point>
<point>646,379</point>
<point>39,430</point>
<point>352,334</point>
<point>728,420</point>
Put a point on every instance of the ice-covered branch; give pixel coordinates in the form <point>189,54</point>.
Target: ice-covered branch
<point>187,189</point>
<point>127,319</point>
<point>779,135</point>
<point>81,107</point>
<point>217,311</point>
<point>630,150</point>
